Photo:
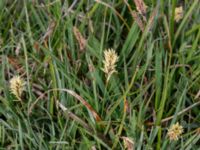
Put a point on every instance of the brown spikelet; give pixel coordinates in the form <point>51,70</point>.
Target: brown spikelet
<point>81,40</point>
<point>151,19</point>
<point>49,31</point>
<point>36,46</point>
<point>138,20</point>
<point>14,62</point>
<point>141,8</point>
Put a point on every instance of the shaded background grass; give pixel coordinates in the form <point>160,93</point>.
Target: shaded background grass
<point>158,74</point>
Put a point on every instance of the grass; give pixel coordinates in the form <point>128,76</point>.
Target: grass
<point>67,103</point>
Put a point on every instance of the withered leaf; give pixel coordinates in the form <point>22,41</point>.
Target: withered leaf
<point>138,20</point>
<point>49,31</point>
<point>81,40</point>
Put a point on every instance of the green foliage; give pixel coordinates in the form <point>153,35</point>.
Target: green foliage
<point>156,85</point>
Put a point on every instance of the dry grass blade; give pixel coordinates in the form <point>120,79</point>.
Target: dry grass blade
<point>73,116</point>
<point>138,20</point>
<point>141,8</point>
<point>82,123</point>
<point>70,8</point>
<point>78,97</point>
<point>181,112</point>
<point>178,114</point>
<point>81,40</point>
<point>86,104</point>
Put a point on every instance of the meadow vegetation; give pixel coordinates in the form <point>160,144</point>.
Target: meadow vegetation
<point>99,74</point>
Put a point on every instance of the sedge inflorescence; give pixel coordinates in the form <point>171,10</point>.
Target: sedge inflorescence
<point>178,13</point>
<point>17,86</point>
<point>175,131</point>
<point>110,60</point>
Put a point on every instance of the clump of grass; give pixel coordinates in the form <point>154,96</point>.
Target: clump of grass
<point>52,43</point>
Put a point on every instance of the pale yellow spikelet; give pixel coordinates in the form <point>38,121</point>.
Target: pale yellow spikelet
<point>17,86</point>
<point>174,132</point>
<point>110,60</point>
<point>129,144</point>
<point>178,13</point>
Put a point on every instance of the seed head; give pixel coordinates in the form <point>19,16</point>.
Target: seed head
<point>129,144</point>
<point>178,13</point>
<point>110,59</point>
<point>17,86</point>
<point>174,132</point>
